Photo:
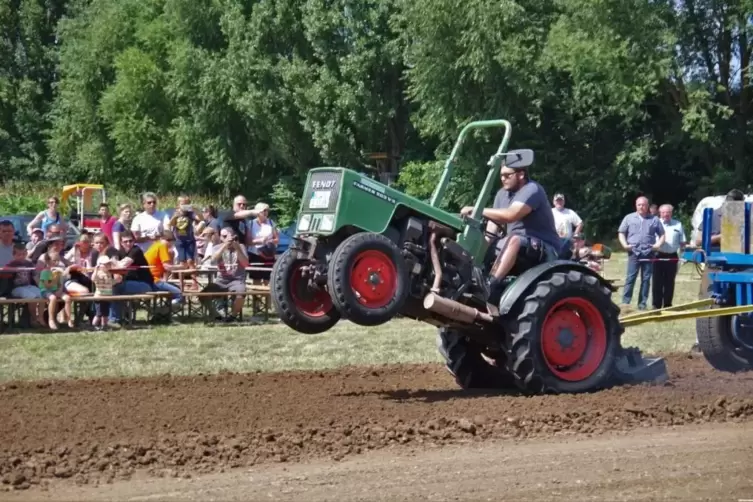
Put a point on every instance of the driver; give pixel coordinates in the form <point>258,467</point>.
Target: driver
<point>522,205</point>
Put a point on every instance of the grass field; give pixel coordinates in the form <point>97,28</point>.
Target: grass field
<point>197,348</point>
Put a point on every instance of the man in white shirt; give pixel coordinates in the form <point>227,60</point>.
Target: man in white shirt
<point>667,258</point>
<point>566,221</point>
<point>148,225</point>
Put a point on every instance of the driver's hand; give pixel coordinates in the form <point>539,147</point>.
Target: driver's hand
<point>466,211</point>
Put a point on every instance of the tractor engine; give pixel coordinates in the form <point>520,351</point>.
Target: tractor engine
<point>440,265</point>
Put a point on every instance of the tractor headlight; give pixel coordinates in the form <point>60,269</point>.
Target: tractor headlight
<point>305,222</point>
<point>328,222</point>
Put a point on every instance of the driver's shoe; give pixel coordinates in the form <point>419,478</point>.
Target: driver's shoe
<point>495,288</point>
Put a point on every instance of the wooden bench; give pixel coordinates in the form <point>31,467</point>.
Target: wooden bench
<point>156,304</point>
<point>10,308</point>
<point>153,302</point>
<point>257,298</point>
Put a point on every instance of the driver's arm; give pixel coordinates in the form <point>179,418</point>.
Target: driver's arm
<point>516,212</point>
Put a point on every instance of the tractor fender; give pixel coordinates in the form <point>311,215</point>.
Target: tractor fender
<point>531,276</point>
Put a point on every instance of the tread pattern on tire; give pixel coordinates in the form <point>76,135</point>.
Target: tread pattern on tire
<point>465,362</point>
<point>284,305</point>
<point>338,280</point>
<point>710,335</point>
<point>523,359</point>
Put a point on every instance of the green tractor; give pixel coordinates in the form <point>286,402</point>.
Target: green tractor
<point>368,253</point>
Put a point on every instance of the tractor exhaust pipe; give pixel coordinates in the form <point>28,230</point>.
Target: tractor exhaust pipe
<point>454,310</point>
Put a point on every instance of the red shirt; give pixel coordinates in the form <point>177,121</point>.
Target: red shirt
<point>106,226</point>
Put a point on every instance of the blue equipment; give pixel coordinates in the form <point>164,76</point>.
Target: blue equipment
<point>724,315</point>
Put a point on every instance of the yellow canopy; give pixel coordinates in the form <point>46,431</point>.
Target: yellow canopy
<point>76,189</point>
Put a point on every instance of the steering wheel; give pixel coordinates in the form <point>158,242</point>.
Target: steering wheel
<point>491,235</point>
<point>484,222</point>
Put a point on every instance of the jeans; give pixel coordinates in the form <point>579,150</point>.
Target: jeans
<point>126,288</point>
<point>168,288</point>
<point>633,267</point>
<point>186,248</point>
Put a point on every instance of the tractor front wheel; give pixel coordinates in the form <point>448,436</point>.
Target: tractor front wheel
<point>304,308</point>
<point>368,279</point>
<point>564,337</point>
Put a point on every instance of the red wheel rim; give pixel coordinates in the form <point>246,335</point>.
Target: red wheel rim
<point>573,339</point>
<point>374,278</point>
<point>313,303</point>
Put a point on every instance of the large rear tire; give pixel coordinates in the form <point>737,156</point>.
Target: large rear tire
<point>368,279</point>
<point>564,337</point>
<point>465,361</point>
<point>725,344</point>
<point>304,309</point>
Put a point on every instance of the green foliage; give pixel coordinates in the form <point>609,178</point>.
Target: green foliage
<point>420,179</point>
<point>286,197</point>
<point>618,98</point>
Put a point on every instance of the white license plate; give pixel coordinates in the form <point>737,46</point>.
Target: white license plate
<point>320,200</point>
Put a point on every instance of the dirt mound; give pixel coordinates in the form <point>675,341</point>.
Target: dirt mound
<point>98,430</point>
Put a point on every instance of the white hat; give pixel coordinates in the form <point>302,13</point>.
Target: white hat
<point>103,260</point>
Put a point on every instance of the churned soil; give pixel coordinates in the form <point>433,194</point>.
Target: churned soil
<point>100,431</point>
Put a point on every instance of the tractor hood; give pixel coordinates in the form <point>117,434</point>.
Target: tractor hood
<point>335,197</point>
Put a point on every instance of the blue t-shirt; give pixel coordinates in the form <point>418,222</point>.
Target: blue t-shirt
<point>641,232</point>
<point>539,223</point>
<point>118,227</point>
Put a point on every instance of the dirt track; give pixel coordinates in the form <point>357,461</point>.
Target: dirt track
<point>99,431</point>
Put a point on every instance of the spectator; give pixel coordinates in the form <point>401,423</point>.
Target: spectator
<point>80,259</point>
<point>667,256</point>
<point>138,280</point>
<point>210,219</point>
<point>653,210</point>
<point>148,225</point>
<point>54,234</point>
<point>53,270</point>
<point>238,220</point>
<point>23,283</point>
<point>159,259</point>
<point>103,249</point>
<point>716,220</point>
<point>123,223</point>
<point>182,227</point>
<point>48,217</point>
<point>104,280</point>
<point>37,236</point>
<point>210,238</point>
<point>640,234</point>
<point>106,220</point>
<point>264,236</point>
<point>7,233</point>
<point>231,260</point>
<point>582,253</point>
<point>566,221</point>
